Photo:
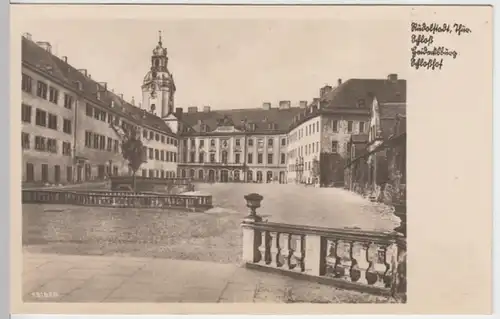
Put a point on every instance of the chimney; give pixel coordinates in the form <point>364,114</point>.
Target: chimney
<point>178,112</point>
<point>83,71</point>
<point>140,105</point>
<point>266,106</point>
<point>121,96</point>
<point>302,104</point>
<point>192,109</point>
<point>103,86</point>
<point>200,122</point>
<point>392,77</point>
<point>284,105</point>
<point>27,35</point>
<point>45,45</point>
<point>64,58</point>
<point>206,108</point>
<point>339,82</point>
<point>90,76</point>
<point>325,90</point>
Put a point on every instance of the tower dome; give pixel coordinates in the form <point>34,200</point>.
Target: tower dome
<point>158,85</point>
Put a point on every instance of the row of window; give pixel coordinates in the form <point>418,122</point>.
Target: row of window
<point>100,142</point>
<point>310,129</point>
<point>307,167</point>
<point>102,171</point>
<point>45,92</point>
<point>314,128</point>
<point>44,144</point>
<point>161,155</point>
<point>237,158</point>
<point>236,177</point>
<point>44,118</point>
<point>224,142</point>
<point>158,173</point>
<point>104,116</point>
<point>159,137</point>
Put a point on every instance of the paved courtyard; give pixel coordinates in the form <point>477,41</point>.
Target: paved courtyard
<point>213,236</point>
<point>66,278</point>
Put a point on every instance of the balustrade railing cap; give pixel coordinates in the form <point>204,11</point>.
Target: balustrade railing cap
<point>254,197</point>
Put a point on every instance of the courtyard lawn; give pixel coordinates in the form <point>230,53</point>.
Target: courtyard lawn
<point>214,235</point>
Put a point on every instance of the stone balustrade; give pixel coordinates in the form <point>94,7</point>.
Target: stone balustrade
<point>117,199</point>
<point>170,186</point>
<point>349,258</point>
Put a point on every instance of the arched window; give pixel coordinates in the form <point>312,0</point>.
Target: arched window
<point>200,174</point>
<point>191,173</point>
<point>269,177</point>
<point>259,176</point>
<point>249,176</point>
<point>183,173</point>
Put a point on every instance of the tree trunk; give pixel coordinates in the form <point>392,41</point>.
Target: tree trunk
<point>133,181</point>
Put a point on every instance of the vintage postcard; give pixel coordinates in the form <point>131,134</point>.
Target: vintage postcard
<point>251,159</point>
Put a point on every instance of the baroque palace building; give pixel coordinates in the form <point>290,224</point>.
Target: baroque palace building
<point>72,127</point>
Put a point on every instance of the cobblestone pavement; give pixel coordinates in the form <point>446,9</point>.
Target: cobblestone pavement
<point>214,235</point>
<point>65,278</point>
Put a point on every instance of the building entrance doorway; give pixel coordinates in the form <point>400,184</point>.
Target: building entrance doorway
<point>224,176</point>
<point>282,177</point>
<point>211,176</point>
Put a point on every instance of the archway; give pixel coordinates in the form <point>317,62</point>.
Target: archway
<point>269,177</point>
<point>259,177</point>
<point>282,177</point>
<point>191,173</point>
<point>236,176</point>
<point>211,176</point>
<point>224,176</point>
<point>183,173</point>
<point>249,176</point>
<point>200,174</point>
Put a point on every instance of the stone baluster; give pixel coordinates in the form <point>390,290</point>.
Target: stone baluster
<point>371,256</point>
<point>275,249</point>
<point>264,248</point>
<point>299,253</point>
<point>287,251</point>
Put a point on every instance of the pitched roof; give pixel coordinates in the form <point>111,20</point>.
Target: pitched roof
<point>43,60</point>
<point>237,117</point>
<point>348,94</point>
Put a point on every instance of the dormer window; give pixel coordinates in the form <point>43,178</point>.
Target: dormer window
<point>203,127</point>
<point>361,103</point>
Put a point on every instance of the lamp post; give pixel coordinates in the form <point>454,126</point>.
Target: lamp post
<point>253,202</point>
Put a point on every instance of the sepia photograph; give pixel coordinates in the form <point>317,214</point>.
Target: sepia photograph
<point>222,160</point>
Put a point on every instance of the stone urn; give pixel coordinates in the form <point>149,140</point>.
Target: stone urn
<point>253,202</point>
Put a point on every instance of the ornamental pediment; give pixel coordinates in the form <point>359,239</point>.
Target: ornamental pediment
<point>226,129</point>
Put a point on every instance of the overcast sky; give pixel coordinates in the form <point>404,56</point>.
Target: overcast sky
<point>231,63</point>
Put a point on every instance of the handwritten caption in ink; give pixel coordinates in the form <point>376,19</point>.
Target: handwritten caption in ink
<point>426,53</point>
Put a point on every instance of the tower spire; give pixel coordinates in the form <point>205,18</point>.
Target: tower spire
<point>159,37</point>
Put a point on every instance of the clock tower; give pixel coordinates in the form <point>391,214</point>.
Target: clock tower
<point>158,88</point>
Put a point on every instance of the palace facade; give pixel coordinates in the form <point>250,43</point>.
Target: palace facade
<point>73,126</point>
